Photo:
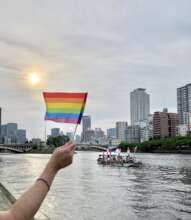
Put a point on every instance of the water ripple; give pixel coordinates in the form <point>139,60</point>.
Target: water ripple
<point>161,189</point>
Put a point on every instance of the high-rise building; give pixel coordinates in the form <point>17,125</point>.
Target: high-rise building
<point>111,132</point>
<point>3,130</point>
<point>139,105</point>
<point>12,129</point>
<point>21,136</point>
<point>165,124</point>
<point>121,127</point>
<point>11,133</point>
<point>86,126</point>
<point>0,120</point>
<point>86,123</point>
<point>89,136</point>
<point>184,104</point>
<point>55,132</point>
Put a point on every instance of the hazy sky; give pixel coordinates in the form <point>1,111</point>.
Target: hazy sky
<point>105,47</point>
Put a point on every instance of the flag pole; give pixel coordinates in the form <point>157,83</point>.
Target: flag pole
<point>75,132</point>
<point>45,132</point>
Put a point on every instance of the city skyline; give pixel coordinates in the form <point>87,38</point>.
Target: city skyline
<point>92,42</point>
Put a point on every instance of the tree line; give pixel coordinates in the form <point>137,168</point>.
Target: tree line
<point>177,144</point>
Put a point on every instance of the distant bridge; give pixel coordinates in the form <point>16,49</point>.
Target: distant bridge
<point>16,148</point>
<point>96,146</point>
<point>22,148</point>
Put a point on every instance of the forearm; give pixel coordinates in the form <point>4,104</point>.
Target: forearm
<point>28,204</point>
<point>26,207</point>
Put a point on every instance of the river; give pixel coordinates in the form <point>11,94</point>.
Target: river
<point>161,189</point>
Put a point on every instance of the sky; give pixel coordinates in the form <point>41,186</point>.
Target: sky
<point>105,47</point>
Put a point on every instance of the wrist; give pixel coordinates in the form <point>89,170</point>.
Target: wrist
<point>53,165</point>
<point>51,168</point>
<point>49,173</point>
<point>45,182</point>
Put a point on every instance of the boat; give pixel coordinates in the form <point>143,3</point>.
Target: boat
<point>116,159</point>
<point>7,200</point>
<point>121,161</point>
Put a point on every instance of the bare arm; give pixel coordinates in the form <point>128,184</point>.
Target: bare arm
<point>29,203</point>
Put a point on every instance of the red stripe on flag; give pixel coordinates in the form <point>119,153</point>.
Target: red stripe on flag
<point>64,100</point>
<point>64,95</point>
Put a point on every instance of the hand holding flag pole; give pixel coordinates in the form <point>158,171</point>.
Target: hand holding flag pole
<point>65,107</point>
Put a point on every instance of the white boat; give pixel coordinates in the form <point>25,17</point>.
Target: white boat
<point>120,161</point>
<point>116,159</point>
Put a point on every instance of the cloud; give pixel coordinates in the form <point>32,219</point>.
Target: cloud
<point>107,47</point>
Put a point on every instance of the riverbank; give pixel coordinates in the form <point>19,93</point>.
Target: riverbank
<point>51,151</point>
<point>139,151</point>
<point>40,151</point>
<point>177,145</point>
<point>170,152</point>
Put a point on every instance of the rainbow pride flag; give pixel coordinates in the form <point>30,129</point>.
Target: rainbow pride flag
<point>65,107</point>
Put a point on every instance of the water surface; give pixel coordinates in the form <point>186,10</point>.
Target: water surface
<point>161,189</point>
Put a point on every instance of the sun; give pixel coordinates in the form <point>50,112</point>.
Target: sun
<point>34,78</point>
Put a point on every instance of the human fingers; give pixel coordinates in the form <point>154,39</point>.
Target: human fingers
<point>71,146</point>
<point>67,144</point>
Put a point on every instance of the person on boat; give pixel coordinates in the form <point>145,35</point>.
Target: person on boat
<point>128,154</point>
<point>135,150</point>
<point>108,156</point>
<point>113,157</point>
<point>29,203</point>
<point>108,153</point>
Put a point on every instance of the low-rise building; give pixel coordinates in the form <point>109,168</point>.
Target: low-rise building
<point>182,130</point>
<point>36,141</point>
<point>55,132</point>
<point>114,142</point>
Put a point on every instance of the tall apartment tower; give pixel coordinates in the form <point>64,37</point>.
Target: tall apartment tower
<point>86,125</point>
<point>121,127</point>
<point>184,104</point>
<point>165,124</point>
<point>0,120</point>
<point>140,105</point>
